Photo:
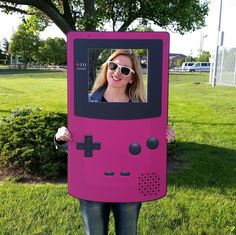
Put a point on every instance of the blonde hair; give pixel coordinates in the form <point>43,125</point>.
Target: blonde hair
<point>134,90</point>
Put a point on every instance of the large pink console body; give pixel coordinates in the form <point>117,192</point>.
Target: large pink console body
<point>117,158</point>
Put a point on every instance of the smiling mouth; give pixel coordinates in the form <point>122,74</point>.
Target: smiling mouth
<point>115,79</point>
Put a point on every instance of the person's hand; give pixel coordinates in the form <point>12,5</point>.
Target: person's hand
<point>170,134</point>
<point>63,134</point>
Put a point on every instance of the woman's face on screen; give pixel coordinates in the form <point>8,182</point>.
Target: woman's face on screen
<point>120,71</point>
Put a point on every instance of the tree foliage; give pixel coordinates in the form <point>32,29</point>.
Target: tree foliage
<point>35,23</point>
<point>91,15</point>
<point>5,46</point>
<point>179,62</point>
<point>24,42</point>
<point>51,51</point>
<point>2,56</point>
<point>190,59</point>
<point>204,57</point>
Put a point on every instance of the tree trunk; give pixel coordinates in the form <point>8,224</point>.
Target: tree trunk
<point>93,57</point>
<point>90,26</point>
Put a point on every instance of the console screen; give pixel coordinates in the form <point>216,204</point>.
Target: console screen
<point>92,55</point>
<point>124,70</point>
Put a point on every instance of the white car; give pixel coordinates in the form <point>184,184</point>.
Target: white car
<point>186,66</point>
<point>197,67</point>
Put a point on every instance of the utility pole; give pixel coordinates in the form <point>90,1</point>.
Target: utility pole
<point>217,48</point>
<point>202,37</point>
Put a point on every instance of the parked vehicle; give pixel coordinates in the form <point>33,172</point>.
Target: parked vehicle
<point>196,66</point>
<point>186,66</point>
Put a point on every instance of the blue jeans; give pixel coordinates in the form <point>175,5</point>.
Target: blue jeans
<point>96,217</point>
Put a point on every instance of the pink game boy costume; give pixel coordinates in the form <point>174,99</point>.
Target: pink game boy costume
<point>118,152</point>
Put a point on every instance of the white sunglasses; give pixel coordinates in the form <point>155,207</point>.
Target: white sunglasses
<point>124,70</point>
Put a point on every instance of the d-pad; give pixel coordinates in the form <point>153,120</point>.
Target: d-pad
<point>88,146</point>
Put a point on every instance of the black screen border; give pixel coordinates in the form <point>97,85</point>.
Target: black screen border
<point>114,110</point>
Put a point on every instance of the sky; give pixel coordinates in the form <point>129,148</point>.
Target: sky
<point>188,44</point>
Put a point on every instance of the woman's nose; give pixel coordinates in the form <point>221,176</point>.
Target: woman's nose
<point>117,71</point>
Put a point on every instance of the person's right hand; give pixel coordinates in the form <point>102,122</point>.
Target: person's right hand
<point>63,134</point>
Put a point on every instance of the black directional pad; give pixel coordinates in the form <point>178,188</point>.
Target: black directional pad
<point>88,146</point>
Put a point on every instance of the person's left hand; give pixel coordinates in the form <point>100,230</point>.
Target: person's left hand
<point>170,134</point>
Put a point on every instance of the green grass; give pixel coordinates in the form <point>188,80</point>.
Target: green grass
<point>38,209</point>
<point>201,195</point>
<point>47,90</point>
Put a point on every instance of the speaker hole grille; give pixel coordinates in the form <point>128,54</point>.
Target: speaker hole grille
<point>149,184</point>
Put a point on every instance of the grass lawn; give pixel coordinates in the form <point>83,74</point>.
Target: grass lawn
<point>201,195</point>
<point>47,90</point>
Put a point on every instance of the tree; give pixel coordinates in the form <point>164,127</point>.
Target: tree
<point>52,51</point>
<point>204,57</point>
<point>2,57</point>
<point>24,43</point>
<point>179,62</point>
<point>35,23</point>
<point>5,49</point>
<point>92,15</point>
<point>190,59</point>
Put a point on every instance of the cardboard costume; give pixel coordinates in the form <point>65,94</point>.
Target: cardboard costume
<point>119,150</point>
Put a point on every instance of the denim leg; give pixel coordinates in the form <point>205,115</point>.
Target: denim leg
<point>95,217</point>
<point>126,217</point>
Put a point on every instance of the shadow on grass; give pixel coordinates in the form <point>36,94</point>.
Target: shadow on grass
<point>204,123</point>
<point>23,71</point>
<point>193,165</point>
<point>199,165</point>
<point>6,90</point>
<point>5,111</point>
<point>186,73</point>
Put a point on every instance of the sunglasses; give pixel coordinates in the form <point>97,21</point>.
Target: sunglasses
<point>123,69</point>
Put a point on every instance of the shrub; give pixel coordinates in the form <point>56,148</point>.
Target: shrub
<point>171,149</point>
<point>26,142</point>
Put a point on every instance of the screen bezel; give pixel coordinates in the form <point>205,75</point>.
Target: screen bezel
<point>114,110</point>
